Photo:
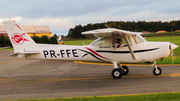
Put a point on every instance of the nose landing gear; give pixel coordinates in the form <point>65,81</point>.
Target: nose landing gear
<point>156,70</point>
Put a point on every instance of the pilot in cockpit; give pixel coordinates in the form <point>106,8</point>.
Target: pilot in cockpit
<point>117,42</point>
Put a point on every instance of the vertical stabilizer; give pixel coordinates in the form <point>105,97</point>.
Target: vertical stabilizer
<point>20,40</point>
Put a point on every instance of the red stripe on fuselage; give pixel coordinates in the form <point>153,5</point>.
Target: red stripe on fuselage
<point>95,53</point>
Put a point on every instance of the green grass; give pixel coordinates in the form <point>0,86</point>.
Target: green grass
<point>143,97</point>
<point>78,42</point>
<point>6,49</point>
<point>161,34</point>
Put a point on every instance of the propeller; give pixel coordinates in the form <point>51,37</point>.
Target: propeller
<point>172,47</point>
<point>172,52</point>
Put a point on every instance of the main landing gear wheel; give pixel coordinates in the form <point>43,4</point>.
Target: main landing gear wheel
<point>116,73</point>
<point>126,70</point>
<point>157,71</point>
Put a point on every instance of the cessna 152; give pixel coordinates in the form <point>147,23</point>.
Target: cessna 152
<point>113,45</point>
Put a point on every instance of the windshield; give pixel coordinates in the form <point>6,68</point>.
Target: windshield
<point>140,39</point>
<point>98,42</point>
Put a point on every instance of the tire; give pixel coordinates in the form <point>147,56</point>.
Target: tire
<point>157,72</point>
<point>116,73</point>
<point>126,70</point>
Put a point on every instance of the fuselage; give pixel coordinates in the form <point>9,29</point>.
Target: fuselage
<point>145,52</point>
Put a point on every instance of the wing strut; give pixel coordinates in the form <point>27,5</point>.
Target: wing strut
<point>130,48</point>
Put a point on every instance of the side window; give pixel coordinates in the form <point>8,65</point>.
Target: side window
<point>128,40</point>
<point>120,42</point>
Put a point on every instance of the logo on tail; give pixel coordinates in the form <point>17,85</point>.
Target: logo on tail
<point>18,38</point>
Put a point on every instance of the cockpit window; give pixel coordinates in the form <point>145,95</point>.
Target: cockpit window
<point>139,39</point>
<point>98,42</point>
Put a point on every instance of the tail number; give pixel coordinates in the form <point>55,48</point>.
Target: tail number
<point>61,53</point>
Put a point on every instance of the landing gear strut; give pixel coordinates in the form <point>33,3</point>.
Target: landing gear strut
<point>119,71</point>
<point>156,70</point>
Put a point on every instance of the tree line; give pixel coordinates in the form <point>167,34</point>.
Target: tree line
<point>4,40</point>
<point>152,26</point>
<point>45,39</point>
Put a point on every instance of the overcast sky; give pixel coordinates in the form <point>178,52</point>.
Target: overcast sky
<point>61,15</point>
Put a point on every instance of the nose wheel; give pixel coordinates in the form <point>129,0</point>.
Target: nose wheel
<point>156,70</point>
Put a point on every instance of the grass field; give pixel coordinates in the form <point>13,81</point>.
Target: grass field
<point>143,97</point>
<point>6,49</point>
<point>78,42</point>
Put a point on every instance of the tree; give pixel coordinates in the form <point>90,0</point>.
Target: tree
<point>36,39</point>
<point>173,25</point>
<point>55,36</point>
<point>53,40</point>
<point>4,41</point>
<point>90,26</point>
<point>62,36</point>
<point>7,42</point>
<point>70,32</point>
<point>76,32</point>
<point>2,38</point>
<point>45,39</point>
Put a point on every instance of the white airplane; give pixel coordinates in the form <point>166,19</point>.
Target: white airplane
<point>133,48</point>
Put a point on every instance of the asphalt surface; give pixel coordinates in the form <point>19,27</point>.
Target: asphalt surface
<point>38,79</point>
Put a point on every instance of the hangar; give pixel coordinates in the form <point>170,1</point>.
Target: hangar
<point>32,30</point>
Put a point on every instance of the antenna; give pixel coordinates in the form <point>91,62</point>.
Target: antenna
<point>107,26</point>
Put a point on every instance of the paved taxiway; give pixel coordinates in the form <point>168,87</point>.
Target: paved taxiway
<point>29,79</point>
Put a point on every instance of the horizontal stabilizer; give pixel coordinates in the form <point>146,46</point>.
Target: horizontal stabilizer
<point>24,53</point>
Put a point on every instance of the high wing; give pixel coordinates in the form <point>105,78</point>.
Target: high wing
<point>112,33</point>
<point>108,33</point>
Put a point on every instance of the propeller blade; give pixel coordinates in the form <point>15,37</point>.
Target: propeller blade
<point>172,45</point>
